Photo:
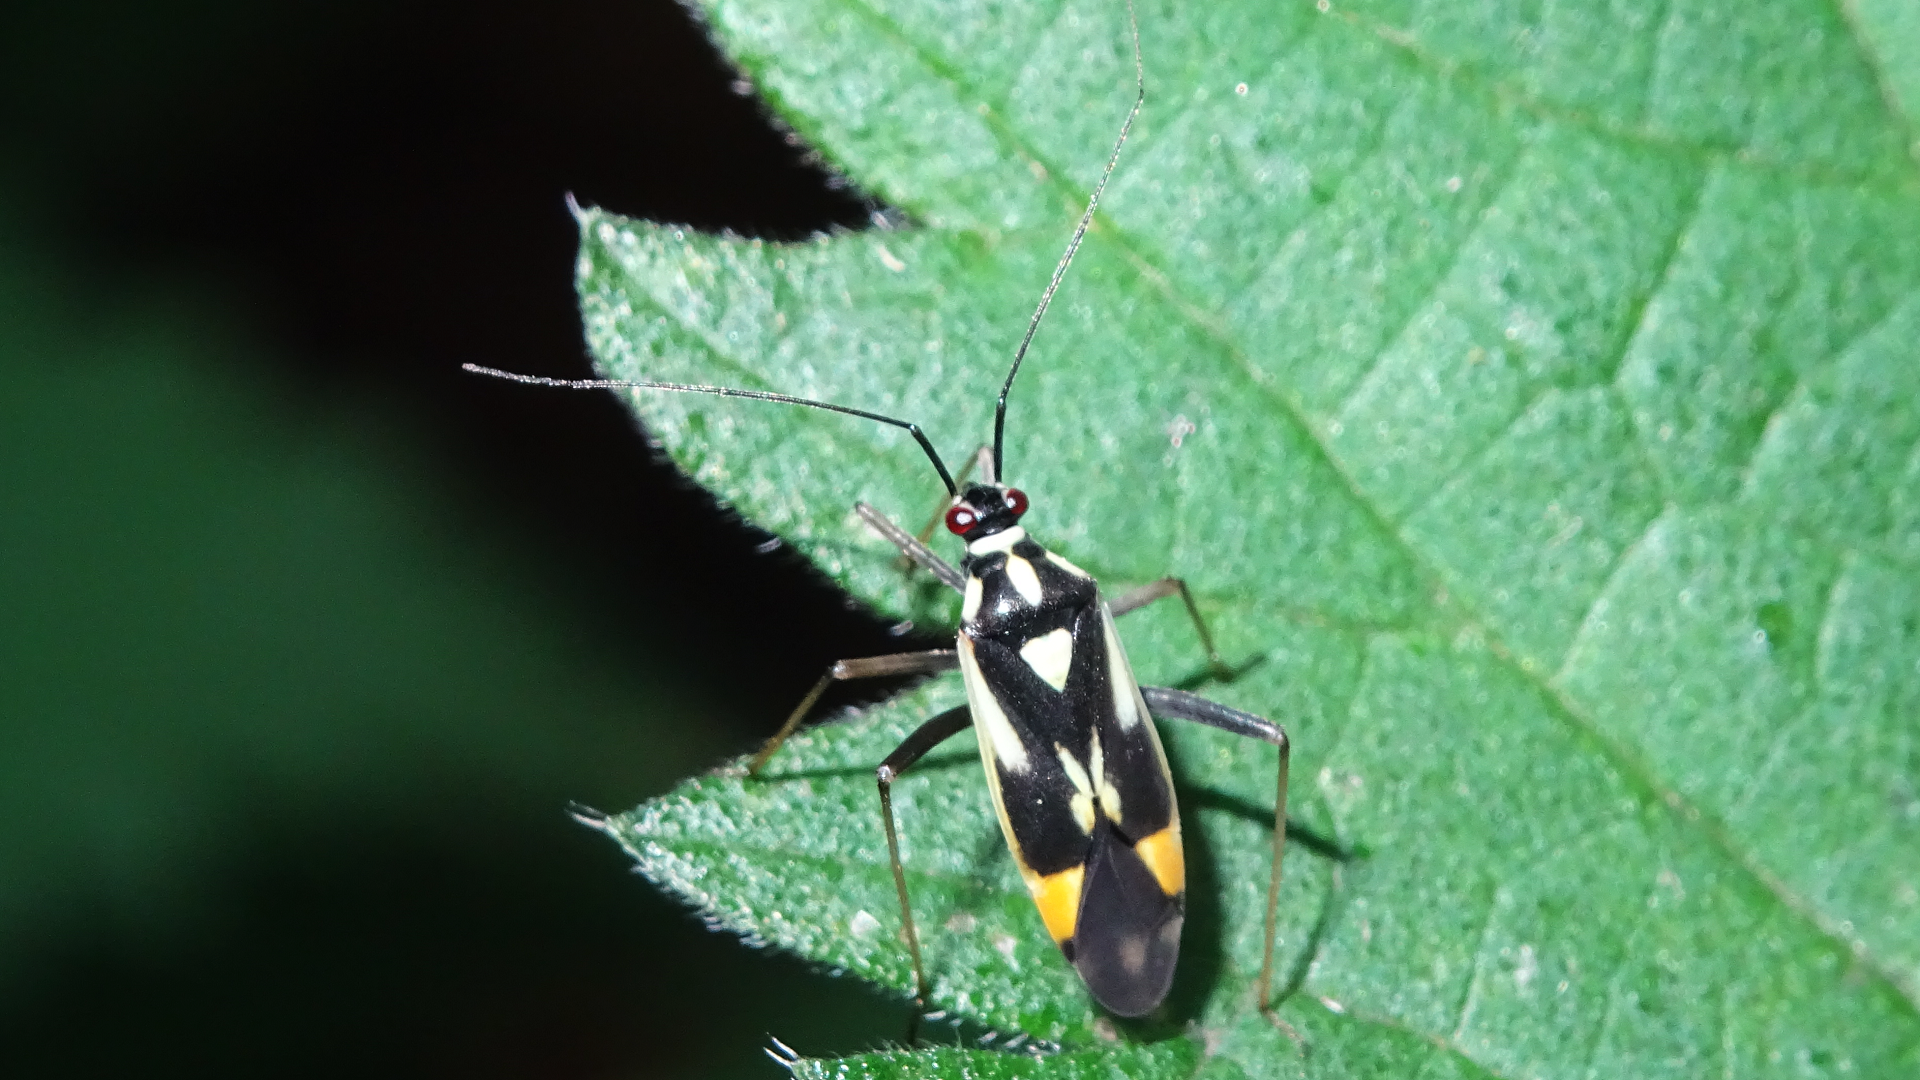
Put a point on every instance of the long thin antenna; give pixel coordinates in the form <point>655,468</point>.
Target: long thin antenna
<point>725,391</point>
<point>1060,271</point>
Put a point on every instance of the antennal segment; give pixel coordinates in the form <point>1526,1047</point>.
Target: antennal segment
<point>1073,245</point>
<point>727,391</point>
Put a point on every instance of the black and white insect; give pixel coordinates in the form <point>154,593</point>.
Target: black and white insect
<point>1073,761</point>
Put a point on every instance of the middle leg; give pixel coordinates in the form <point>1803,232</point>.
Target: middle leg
<point>1180,705</point>
<point>930,662</point>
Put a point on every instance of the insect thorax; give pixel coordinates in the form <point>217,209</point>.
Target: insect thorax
<point>1034,627</point>
<point>1017,589</point>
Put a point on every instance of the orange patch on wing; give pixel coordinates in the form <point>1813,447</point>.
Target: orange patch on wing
<point>1058,898</point>
<point>1162,854</point>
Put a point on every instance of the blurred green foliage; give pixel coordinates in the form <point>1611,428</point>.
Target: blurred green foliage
<point>291,705</point>
<point>220,608</point>
<point>246,647</point>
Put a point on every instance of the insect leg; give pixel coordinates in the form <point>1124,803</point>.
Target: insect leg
<point>983,460</point>
<point>1180,705</point>
<point>910,547</point>
<point>924,738</point>
<point>1159,590</point>
<point>912,663</point>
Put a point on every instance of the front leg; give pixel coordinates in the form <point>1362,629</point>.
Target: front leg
<point>930,662</point>
<point>910,547</point>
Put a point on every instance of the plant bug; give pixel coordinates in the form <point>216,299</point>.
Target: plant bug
<point>1074,764</point>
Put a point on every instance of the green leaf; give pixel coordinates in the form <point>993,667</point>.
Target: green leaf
<point>1527,387</point>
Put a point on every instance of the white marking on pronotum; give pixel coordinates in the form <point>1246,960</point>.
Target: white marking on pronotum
<point>970,599</point>
<point>1050,656</point>
<point>1083,796</point>
<point>1000,541</point>
<point>1067,566</point>
<point>1126,696</point>
<point>1025,581</point>
<point>1002,742</point>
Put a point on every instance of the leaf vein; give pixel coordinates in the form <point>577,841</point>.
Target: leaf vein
<point>1470,993</point>
<point>1800,388</point>
<point>1620,562</point>
<point>1659,23</point>
<point>1451,70</point>
<point>1630,763</point>
<point>1661,277</point>
<point>1849,14</point>
<point>1479,453</point>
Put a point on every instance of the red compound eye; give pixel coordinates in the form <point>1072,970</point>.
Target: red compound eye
<point>1016,501</point>
<point>959,520</point>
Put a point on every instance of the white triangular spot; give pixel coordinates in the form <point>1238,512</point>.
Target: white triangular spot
<point>1050,655</point>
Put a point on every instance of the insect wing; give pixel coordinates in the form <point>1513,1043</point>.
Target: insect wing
<point>1133,900</point>
<point>1127,938</point>
<point>1080,783</point>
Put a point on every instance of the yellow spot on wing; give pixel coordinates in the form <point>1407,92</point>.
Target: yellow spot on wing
<point>1058,898</point>
<point>1162,854</point>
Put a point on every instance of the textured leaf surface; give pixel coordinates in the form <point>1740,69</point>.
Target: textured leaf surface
<point>1529,387</point>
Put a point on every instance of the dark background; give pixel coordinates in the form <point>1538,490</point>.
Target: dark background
<point>306,638</point>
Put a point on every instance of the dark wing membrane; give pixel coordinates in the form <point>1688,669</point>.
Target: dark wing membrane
<point>1127,937</point>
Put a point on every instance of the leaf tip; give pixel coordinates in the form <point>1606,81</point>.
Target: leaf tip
<point>597,820</point>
